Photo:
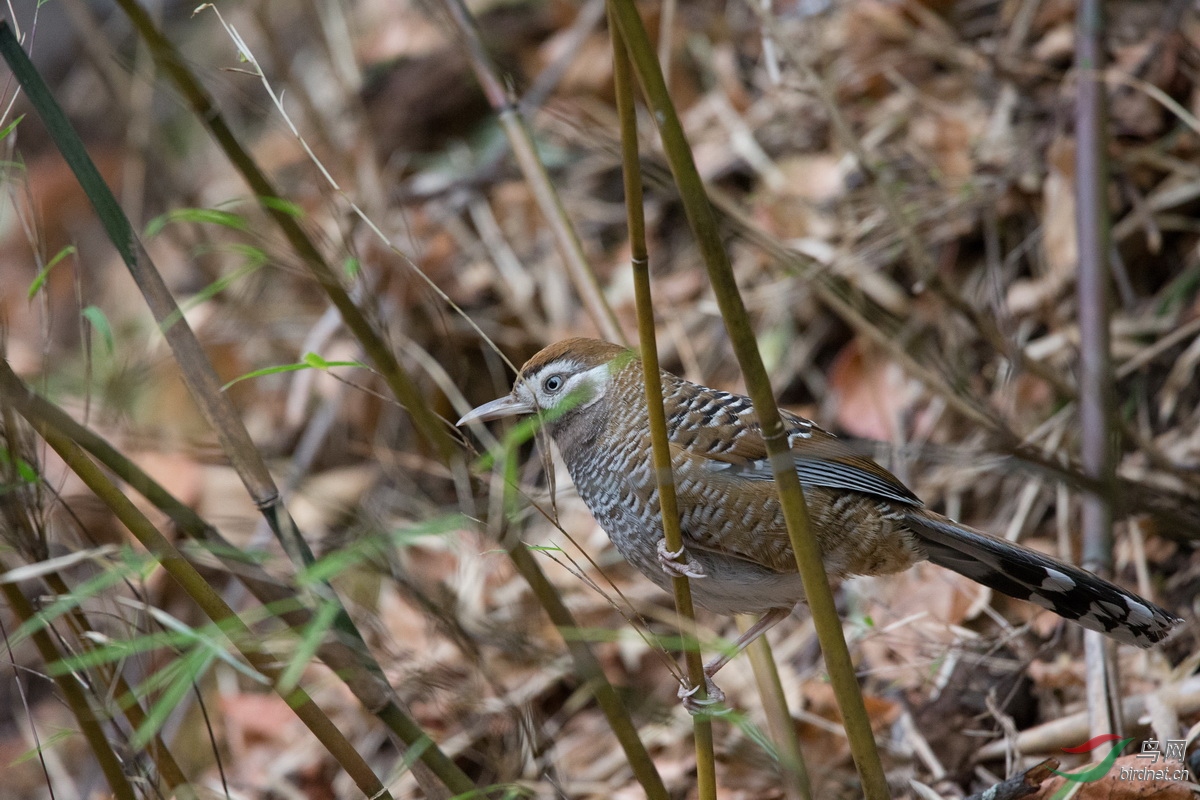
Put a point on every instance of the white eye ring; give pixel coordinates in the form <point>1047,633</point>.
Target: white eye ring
<point>553,383</point>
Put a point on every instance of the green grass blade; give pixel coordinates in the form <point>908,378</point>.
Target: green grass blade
<point>39,280</point>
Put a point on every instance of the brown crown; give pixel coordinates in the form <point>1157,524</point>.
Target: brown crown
<point>588,352</point>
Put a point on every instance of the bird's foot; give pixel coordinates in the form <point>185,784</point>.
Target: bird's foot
<point>677,563</point>
<point>713,703</point>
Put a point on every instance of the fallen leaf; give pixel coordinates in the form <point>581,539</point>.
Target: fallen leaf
<point>1060,244</point>
<point>871,394</point>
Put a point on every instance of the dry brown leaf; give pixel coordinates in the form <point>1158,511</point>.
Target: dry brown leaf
<point>810,183</point>
<point>1057,45</point>
<point>871,394</point>
<point>225,503</point>
<point>589,71</point>
<point>1132,110</point>
<point>821,701</point>
<point>256,718</point>
<point>874,36</point>
<point>275,752</point>
<point>825,752</point>
<point>177,472</point>
<point>1060,247</point>
<point>948,139</point>
<point>912,615</point>
<point>1063,673</point>
<point>1027,397</point>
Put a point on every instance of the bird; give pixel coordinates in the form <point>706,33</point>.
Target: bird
<point>590,397</point>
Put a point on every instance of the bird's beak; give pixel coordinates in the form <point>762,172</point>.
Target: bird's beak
<point>507,406</point>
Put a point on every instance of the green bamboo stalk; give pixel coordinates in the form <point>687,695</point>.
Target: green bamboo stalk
<point>198,373</point>
<point>765,672</point>
<point>796,783</point>
<point>217,610</point>
<point>804,545</point>
<point>168,768</point>
<point>706,775</point>
<point>588,668</point>
<point>174,66</point>
<point>525,152</point>
<point>918,255</point>
<point>346,655</point>
<point>72,694</point>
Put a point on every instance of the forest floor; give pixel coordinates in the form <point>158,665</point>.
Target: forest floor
<point>945,337</point>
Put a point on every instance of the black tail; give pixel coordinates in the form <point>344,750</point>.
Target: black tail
<point>1017,571</point>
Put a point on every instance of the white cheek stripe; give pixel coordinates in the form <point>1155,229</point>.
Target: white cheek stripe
<point>596,377</point>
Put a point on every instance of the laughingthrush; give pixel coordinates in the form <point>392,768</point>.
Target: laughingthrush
<point>590,395</point>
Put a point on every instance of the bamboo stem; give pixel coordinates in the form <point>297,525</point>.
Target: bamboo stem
<point>706,778</point>
<point>804,545</point>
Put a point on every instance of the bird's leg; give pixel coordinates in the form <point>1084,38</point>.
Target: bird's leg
<point>715,696</point>
<point>710,705</point>
<point>765,623</point>
<point>677,563</point>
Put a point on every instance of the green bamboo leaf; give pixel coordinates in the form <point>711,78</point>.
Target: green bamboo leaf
<point>369,547</point>
<point>311,361</point>
<point>315,361</point>
<point>10,127</point>
<point>26,472</point>
<point>306,648</point>
<point>47,742</point>
<point>202,216</point>
<point>256,259</point>
<point>39,280</point>
<point>284,206</point>
<point>258,373</point>
<point>113,651</point>
<point>210,637</point>
<point>101,325</point>
<point>177,637</point>
<point>132,566</point>
<point>182,674</point>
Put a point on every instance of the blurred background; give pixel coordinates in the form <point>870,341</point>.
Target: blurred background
<point>945,339</point>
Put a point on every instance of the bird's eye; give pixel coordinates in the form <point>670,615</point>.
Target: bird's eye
<point>553,383</point>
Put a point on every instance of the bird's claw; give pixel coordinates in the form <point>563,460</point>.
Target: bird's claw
<point>678,563</point>
<point>713,703</point>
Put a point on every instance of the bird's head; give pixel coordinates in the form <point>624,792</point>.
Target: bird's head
<point>560,382</point>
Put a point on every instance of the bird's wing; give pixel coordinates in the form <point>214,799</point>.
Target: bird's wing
<point>725,514</point>
<point>720,458</point>
<point>733,444</point>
